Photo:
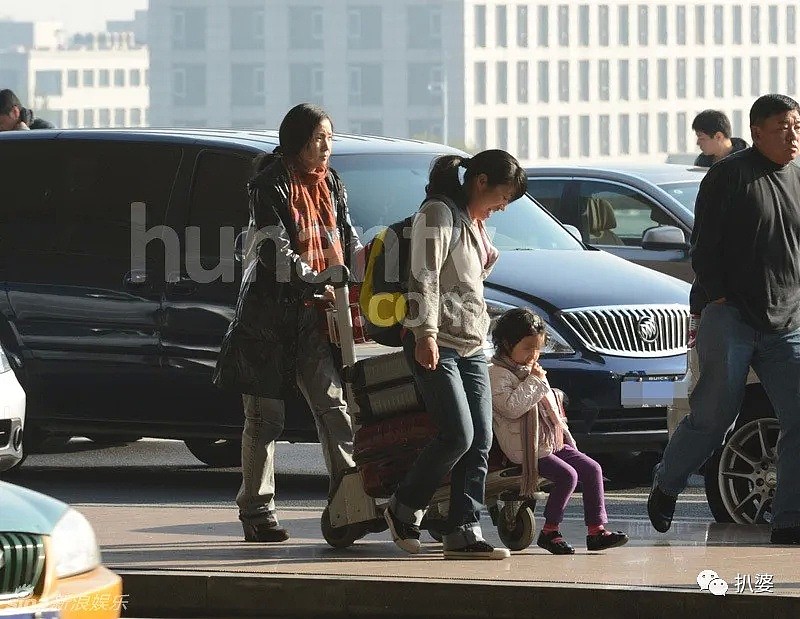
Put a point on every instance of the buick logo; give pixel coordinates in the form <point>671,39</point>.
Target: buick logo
<point>648,329</point>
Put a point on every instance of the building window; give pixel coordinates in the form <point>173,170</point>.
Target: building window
<point>624,79</point>
<point>543,26</point>
<point>135,78</point>
<point>522,81</point>
<point>791,24</point>
<point>643,30</point>
<point>755,77</point>
<point>189,85</point>
<point>49,83</point>
<point>119,117</point>
<point>623,25</point>
<point>563,80</point>
<point>719,77</point>
<point>662,78</point>
<point>602,25</point>
<point>605,134</point>
<point>661,18</point>
<point>736,122</point>
<point>603,80</point>
<point>119,77</point>
<point>737,24</point>
<point>424,27</point>
<point>791,75</point>
<point>480,25</point>
<point>584,135</point>
<point>544,81</point>
<point>502,133</point>
<point>644,91</point>
<point>189,28</point>
<point>248,27</point>
<point>366,126</point>
<point>248,84</point>
<point>644,131</point>
<point>522,28</point>
<point>737,77</point>
<point>502,82</point>
<point>583,25</point>
<point>773,24</point>
<point>624,145</point>
<point>136,117</point>
<point>755,24</point>
<point>583,80</point>
<point>773,75</point>
<point>700,77</point>
<point>306,27</point>
<point>73,79</point>
<point>425,81</point>
<point>543,137</point>
<point>700,24</point>
<point>563,25</point>
<point>480,134</point>
<point>563,136</point>
<point>523,148</point>
<point>680,78</point>
<point>88,118</point>
<point>105,118</point>
<point>501,25</point>
<point>682,131</point>
<point>719,24</point>
<point>306,82</point>
<point>480,83</point>
<point>103,78</point>
<point>73,119</point>
<point>663,132</point>
<point>680,25</point>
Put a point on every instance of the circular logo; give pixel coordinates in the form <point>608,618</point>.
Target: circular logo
<point>648,329</point>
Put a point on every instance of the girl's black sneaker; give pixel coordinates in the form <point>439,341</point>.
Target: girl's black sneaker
<point>555,543</point>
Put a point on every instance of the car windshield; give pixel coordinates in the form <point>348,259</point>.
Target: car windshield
<point>684,192</point>
<point>383,189</point>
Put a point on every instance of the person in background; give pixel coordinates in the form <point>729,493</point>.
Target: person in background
<point>276,342</point>
<point>746,257</point>
<point>15,117</point>
<point>713,131</point>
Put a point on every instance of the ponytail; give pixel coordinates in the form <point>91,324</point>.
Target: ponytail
<point>443,179</point>
<point>499,167</point>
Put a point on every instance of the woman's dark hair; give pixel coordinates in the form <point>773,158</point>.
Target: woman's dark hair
<point>498,165</point>
<point>769,105</point>
<point>298,126</point>
<point>515,325</point>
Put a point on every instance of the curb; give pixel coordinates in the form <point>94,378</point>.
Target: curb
<point>213,594</point>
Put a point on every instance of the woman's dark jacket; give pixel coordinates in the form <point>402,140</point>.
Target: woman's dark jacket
<point>258,352</point>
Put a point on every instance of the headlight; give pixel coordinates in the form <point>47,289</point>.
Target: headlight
<point>5,366</point>
<point>555,345</point>
<point>74,545</point>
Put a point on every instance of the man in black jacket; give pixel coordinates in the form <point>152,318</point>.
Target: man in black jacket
<point>713,131</point>
<point>15,117</point>
<point>746,257</point>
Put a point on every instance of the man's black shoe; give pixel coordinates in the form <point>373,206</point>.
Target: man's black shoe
<point>660,509</point>
<point>785,536</point>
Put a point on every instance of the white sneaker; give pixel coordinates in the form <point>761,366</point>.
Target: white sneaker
<point>406,536</point>
<point>478,550</point>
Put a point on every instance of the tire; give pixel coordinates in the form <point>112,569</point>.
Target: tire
<point>221,453</point>
<point>730,480</point>
<point>521,535</point>
<point>339,537</point>
<point>113,439</point>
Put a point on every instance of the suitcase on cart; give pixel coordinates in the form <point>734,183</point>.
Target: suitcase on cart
<point>382,387</point>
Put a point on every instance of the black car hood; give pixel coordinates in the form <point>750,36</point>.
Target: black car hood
<point>565,279</point>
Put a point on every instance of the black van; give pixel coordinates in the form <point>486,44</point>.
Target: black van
<point>111,340</point>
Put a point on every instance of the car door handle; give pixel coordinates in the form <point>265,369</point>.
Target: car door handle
<point>183,285</point>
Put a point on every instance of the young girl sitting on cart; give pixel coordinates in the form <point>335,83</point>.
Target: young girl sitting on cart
<point>531,428</point>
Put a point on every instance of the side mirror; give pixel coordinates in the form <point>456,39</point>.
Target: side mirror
<point>574,232</point>
<point>663,238</point>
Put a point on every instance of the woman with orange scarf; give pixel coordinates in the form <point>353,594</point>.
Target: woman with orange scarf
<point>299,226</point>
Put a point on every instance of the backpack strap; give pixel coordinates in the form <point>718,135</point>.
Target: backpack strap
<point>454,211</point>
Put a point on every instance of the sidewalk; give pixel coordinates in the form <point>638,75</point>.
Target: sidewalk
<point>182,561</point>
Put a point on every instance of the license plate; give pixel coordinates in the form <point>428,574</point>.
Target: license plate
<point>648,391</point>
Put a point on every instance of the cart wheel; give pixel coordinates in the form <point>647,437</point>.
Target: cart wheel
<point>521,535</point>
<point>340,537</point>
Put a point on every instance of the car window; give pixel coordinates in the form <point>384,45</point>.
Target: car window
<point>618,214</point>
<point>684,192</point>
<point>548,193</point>
<point>384,189</point>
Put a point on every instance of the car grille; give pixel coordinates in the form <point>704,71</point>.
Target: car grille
<point>21,564</point>
<point>631,330</point>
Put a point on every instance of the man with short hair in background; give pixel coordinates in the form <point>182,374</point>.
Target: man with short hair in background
<point>713,131</point>
<point>15,117</point>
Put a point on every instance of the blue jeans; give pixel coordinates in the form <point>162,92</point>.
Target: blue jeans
<point>459,399</point>
<point>726,347</point>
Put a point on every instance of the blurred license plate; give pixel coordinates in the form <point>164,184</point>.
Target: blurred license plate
<point>644,392</point>
<point>32,613</point>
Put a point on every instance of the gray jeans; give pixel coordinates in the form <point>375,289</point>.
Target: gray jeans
<point>319,381</point>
